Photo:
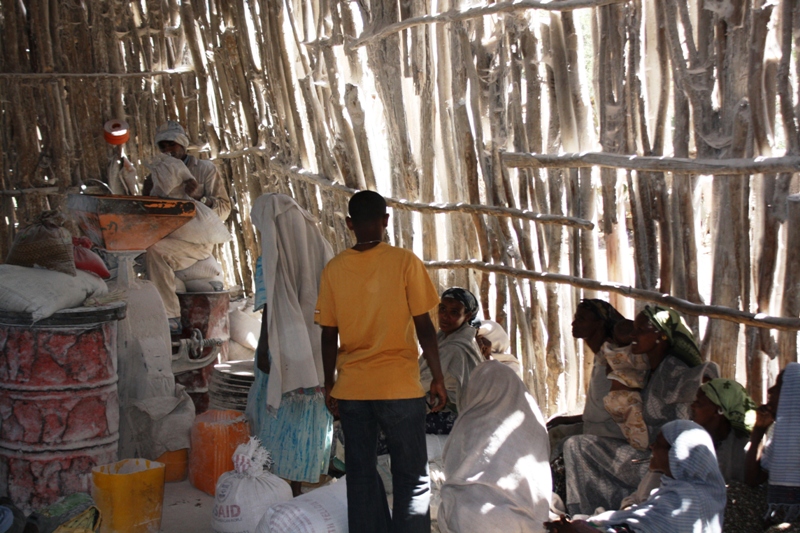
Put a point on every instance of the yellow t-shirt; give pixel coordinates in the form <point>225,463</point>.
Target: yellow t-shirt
<point>371,296</point>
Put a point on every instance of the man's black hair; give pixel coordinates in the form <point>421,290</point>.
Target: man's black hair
<point>366,205</point>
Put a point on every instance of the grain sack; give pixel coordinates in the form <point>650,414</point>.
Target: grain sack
<point>45,243</point>
<point>43,292</point>
<point>169,177</point>
<point>321,511</point>
<point>244,328</point>
<point>208,268</point>
<point>244,495</point>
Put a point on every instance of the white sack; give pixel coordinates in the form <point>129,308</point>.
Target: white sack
<point>205,228</point>
<point>321,511</point>
<point>237,352</point>
<point>205,269</point>
<point>164,423</point>
<point>435,444</point>
<point>203,285</point>
<point>244,329</point>
<point>169,175</point>
<point>243,495</point>
<point>42,292</point>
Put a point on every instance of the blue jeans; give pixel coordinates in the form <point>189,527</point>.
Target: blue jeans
<point>403,422</point>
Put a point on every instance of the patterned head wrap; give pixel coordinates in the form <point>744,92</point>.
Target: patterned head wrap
<point>172,131</point>
<point>466,298</point>
<point>605,312</point>
<point>681,339</point>
<point>733,400</point>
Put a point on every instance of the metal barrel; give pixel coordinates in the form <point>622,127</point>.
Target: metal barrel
<point>59,408</point>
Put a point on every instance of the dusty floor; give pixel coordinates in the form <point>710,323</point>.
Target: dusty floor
<point>186,509</point>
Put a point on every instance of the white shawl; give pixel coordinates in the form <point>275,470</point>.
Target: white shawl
<point>496,458</point>
<point>293,254</point>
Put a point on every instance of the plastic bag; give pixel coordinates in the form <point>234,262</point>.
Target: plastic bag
<point>86,259</point>
<point>45,243</point>
<point>244,495</point>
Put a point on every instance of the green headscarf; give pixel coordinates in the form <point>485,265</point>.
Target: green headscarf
<point>733,400</point>
<point>681,339</point>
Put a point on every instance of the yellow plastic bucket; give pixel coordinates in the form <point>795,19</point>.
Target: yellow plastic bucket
<point>130,495</point>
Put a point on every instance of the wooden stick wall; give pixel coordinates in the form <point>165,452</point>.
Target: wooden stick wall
<point>649,144</point>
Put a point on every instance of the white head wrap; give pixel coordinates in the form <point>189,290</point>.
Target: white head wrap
<point>172,131</point>
<point>494,333</point>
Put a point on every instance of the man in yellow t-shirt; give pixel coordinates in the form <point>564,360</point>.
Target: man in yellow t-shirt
<point>372,298</point>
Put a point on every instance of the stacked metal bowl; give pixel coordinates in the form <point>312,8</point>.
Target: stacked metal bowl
<point>229,385</point>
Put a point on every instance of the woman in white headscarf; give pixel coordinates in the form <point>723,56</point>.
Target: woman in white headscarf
<point>496,458</point>
<point>495,343</point>
<point>692,494</point>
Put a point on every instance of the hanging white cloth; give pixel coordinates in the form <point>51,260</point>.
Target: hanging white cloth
<point>293,254</point>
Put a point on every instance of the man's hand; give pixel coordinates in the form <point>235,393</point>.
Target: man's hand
<point>331,402</point>
<point>191,186</point>
<point>438,395</point>
<point>564,525</point>
<point>330,350</point>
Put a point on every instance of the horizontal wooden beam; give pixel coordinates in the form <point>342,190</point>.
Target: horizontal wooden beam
<point>310,177</point>
<point>759,320</point>
<point>457,15</point>
<point>63,75</point>
<point>759,165</point>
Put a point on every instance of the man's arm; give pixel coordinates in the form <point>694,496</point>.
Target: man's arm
<point>330,350</point>
<point>754,475</point>
<point>426,334</point>
<point>216,195</point>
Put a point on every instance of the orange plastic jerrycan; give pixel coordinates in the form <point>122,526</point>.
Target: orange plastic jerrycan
<point>215,436</point>
<point>130,495</point>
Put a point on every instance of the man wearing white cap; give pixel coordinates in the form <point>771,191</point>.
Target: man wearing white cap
<point>169,255</point>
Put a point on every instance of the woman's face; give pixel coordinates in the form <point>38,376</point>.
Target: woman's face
<point>645,335</point>
<point>586,323</point>
<point>659,461</point>
<point>704,411</point>
<point>452,315</point>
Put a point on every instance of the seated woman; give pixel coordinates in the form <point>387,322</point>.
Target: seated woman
<point>497,474</point>
<point>691,498</point>
<point>458,354</point>
<point>778,461</point>
<point>594,322</point>
<point>601,470</point>
<point>720,407</point>
<point>494,344</point>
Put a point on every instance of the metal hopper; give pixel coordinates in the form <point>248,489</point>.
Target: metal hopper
<point>120,223</point>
